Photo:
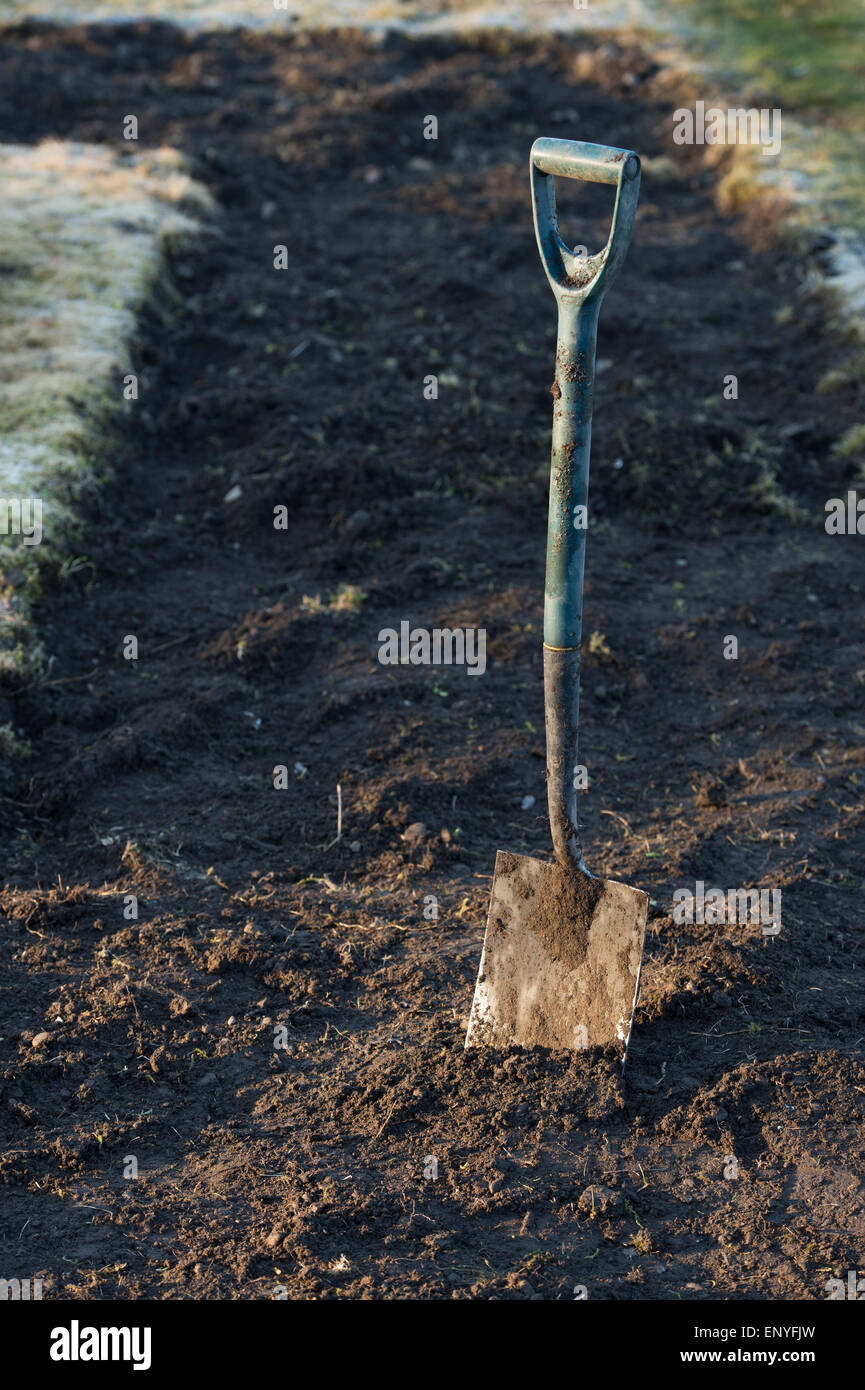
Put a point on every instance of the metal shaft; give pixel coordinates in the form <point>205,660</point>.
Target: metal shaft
<point>566,558</point>
<point>579,288</point>
<point>561,704</point>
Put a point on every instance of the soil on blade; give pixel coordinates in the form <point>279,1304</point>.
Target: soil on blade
<point>561,913</point>
<point>231,1038</point>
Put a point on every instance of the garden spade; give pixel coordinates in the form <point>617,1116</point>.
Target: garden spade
<point>561,959</point>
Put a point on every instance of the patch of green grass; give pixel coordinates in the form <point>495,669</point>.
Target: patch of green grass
<point>806,57</point>
<point>810,53</point>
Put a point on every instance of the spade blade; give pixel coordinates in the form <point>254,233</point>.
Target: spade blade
<point>560,967</point>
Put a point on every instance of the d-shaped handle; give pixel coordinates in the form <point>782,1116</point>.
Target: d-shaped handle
<point>576,278</point>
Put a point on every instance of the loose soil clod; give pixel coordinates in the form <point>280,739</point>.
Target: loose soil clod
<point>562,911</point>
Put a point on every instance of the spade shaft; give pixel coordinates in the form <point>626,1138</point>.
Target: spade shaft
<point>579,284</point>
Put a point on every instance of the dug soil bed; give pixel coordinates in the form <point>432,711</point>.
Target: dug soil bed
<point>366,1154</point>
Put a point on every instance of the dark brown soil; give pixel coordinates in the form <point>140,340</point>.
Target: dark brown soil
<point>277,1038</point>
<point>561,913</point>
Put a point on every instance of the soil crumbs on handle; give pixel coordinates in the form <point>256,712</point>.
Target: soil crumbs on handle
<point>275,1041</point>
